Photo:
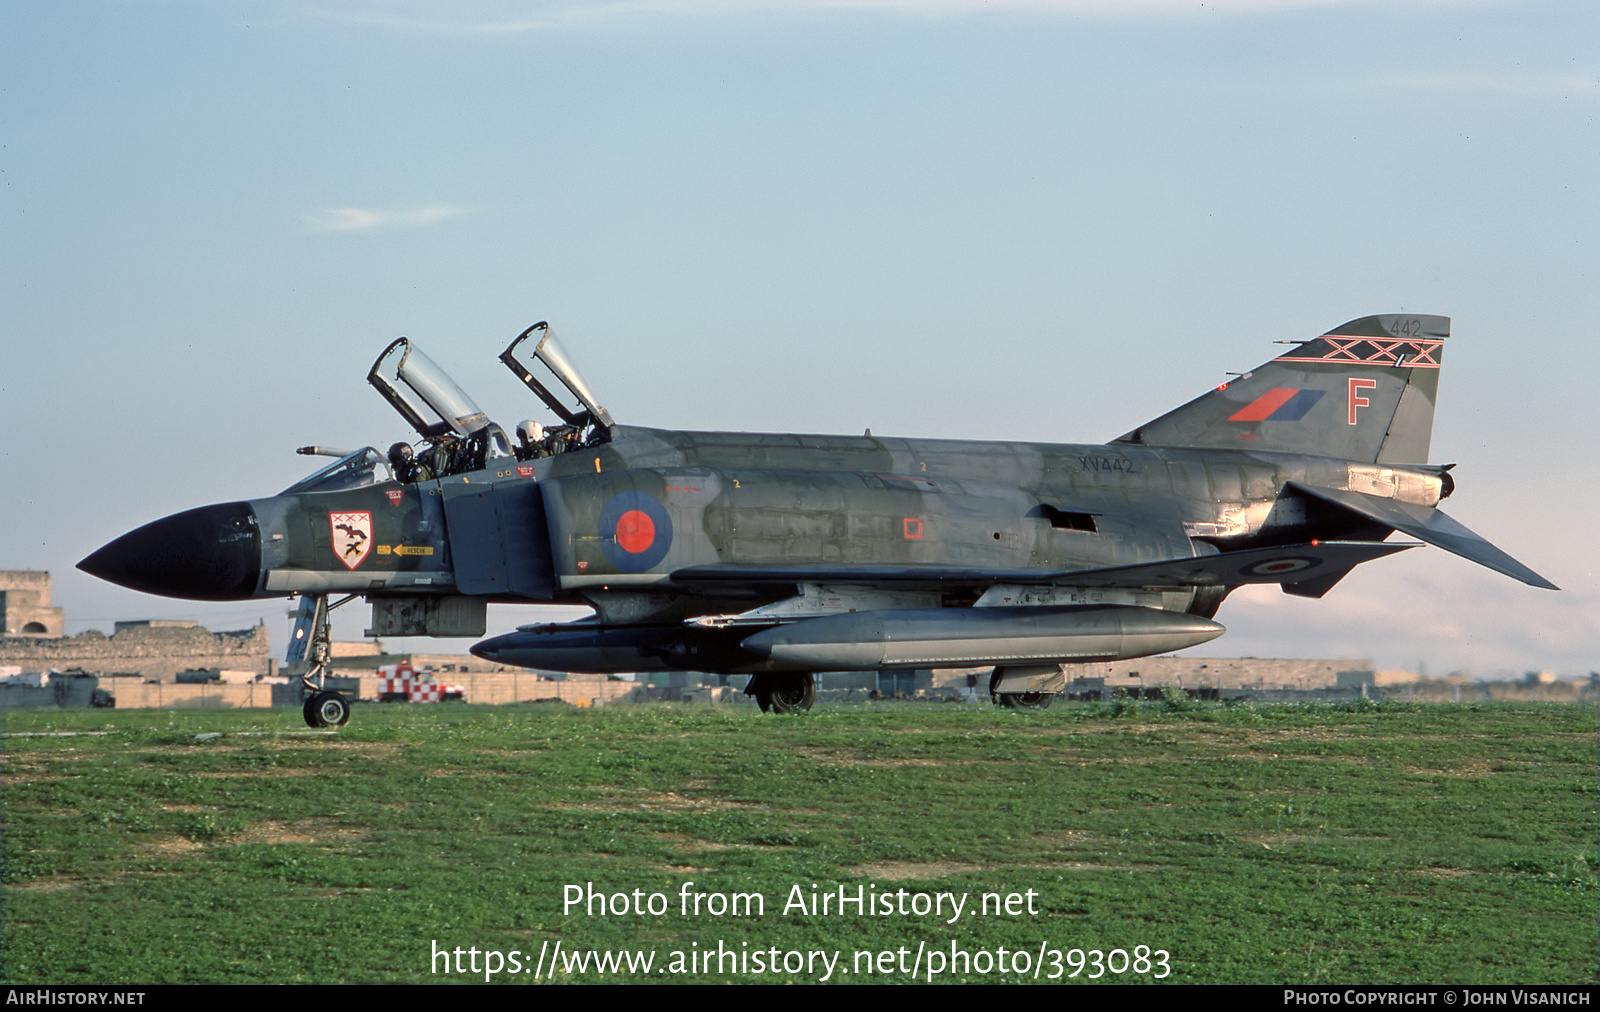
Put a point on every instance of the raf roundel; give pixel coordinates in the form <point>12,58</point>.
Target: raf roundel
<point>635,532</point>
<point>1281,567</point>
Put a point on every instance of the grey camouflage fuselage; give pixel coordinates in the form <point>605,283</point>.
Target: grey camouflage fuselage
<point>738,552</point>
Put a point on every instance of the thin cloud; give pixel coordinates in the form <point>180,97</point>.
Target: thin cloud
<point>356,219</point>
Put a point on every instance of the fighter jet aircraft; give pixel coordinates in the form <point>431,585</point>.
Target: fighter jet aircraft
<point>782,556</point>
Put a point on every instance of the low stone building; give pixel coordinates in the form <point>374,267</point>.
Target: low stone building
<point>1224,674</point>
<point>155,650</point>
<point>482,681</point>
<point>25,604</point>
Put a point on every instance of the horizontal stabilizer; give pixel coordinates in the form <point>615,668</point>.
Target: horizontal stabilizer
<point>1284,564</point>
<point>1429,524</point>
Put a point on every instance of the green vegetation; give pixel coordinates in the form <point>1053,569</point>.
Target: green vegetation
<point>1282,843</point>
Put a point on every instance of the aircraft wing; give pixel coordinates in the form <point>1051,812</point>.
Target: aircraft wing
<point>1430,525</point>
<point>1285,564</point>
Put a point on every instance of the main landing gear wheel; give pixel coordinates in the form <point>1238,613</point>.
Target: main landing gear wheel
<point>787,693</point>
<point>1026,700</point>
<point>326,709</point>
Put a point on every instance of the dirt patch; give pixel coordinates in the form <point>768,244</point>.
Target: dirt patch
<point>1277,736</point>
<point>1272,841</point>
<point>835,757</point>
<point>1071,838</point>
<point>265,771</point>
<point>16,770</point>
<point>661,801</point>
<point>1086,730</point>
<point>1086,866</point>
<point>1471,768</point>
<point>895,872</point>
<point>376,749</point>
<point>319,831</point>
<point>1348,760</point>
<point>684,845</point>
<point>1441,872</point>
<point>171,846</point>
<point>51,884</point>
<point>308,743</point>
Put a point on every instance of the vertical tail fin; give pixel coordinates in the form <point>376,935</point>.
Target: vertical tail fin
<point>1363,391</point>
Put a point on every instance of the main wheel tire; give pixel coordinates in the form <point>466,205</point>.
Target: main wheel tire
<point>1026,700</point>
<point>787,693</point>
<point>326,709</point>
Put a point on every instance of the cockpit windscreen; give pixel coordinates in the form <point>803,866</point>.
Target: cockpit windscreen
<point>353,470</point>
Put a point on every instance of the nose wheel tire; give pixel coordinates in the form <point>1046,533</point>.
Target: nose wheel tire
<point>326,709</point>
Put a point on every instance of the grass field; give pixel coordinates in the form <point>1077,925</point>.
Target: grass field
<point>1281,843</point>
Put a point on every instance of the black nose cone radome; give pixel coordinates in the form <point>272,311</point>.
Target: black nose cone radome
<point>208,554</point>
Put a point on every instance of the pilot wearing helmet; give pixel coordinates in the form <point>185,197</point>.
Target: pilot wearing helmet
<point>530,436</point>
<point>407,469</point>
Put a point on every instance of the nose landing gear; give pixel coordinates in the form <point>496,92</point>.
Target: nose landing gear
<point>326,709</point>
<point>323,707</point>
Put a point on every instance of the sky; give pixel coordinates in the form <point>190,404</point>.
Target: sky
<point>1042,221</point>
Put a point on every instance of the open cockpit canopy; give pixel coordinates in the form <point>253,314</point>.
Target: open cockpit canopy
<point>460,437</point>
<point>424,394</point>
<point>568,396</point>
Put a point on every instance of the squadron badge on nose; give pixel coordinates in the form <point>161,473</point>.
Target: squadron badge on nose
<point>352,537</point>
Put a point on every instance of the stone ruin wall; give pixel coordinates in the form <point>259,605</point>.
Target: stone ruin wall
<point>154,652</point>
<point>1227,672</point>
<point>25,601</point>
